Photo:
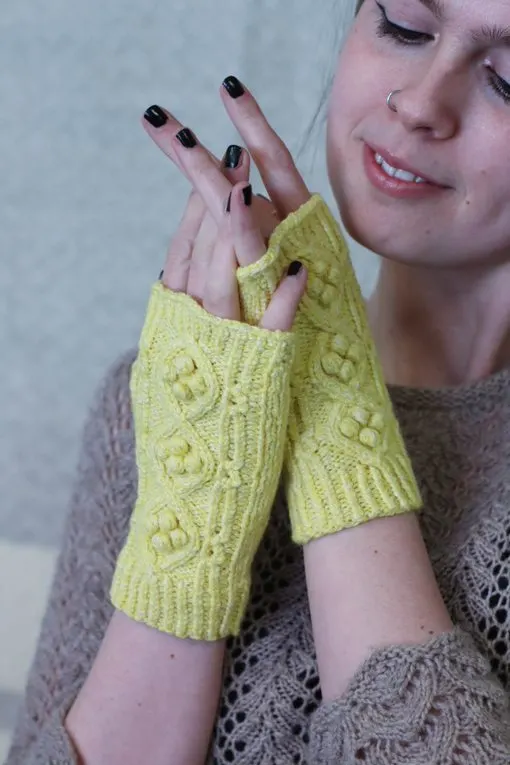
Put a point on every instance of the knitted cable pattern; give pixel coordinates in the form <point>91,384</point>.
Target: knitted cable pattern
<point>210,400</point>
<point>346,461</point>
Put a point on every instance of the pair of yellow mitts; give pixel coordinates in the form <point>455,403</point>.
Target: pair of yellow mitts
<point>221,406</point>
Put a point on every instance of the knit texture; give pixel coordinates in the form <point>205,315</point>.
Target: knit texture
<point>346,462</point>
<point>443,703</point>
<point>210,400</point>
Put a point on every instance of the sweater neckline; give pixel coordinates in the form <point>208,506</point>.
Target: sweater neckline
<point>492,389</point>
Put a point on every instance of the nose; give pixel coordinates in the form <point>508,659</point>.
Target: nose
<point>431,101</point>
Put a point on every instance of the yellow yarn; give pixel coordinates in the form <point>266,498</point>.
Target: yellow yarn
<point>210,400</point>
<point>346,462</point>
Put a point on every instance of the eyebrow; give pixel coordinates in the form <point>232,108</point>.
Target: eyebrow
<point>436,7</point>
<point>486,34</point>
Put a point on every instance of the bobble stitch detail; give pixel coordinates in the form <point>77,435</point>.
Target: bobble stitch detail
<point>363,427</point>
<point>185,379</point>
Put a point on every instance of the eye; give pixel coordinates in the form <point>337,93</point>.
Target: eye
<point>500,86</point>
<point>400,35</point>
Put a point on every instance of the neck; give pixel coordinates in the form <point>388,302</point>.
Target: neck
<point>436,328</point>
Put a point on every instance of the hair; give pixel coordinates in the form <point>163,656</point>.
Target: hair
<point>319,115</point>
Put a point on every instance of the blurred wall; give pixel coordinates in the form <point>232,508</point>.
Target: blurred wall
<point>87,207</point>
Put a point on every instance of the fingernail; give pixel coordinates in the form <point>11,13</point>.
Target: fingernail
<point>187,138</point>
<point>248,195</point>
<point>232,157</point>
<point>229,202</point>
<point>233,87</point>
<point>294,268</point>
<point>156,116</point>
<point>161,275</point>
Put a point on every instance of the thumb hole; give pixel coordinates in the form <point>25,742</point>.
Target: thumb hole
<point>282,309</point>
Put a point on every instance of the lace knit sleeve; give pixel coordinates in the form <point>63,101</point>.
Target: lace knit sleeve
<point>79,607</point>
<point>433,704</point>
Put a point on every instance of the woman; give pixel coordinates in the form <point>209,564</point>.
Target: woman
<point>387,641</point>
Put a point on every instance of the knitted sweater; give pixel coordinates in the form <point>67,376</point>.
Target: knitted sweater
<point>442,703</point>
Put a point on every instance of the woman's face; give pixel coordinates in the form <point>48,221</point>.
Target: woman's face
<point>451,62</point>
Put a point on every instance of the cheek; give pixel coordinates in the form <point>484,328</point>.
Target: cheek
<point>359,91</point>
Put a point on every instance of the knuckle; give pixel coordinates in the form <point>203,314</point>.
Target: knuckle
<point>277,154</point>
<point>181,248</point>
<point>218,296</point>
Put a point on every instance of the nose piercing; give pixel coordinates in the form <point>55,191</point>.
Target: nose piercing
<point>389,101</point>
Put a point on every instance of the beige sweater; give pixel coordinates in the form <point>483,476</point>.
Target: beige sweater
<point>443,703</point>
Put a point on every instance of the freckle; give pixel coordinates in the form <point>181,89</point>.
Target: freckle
<point>172,656</point>
<point>376,552</point>
<point>138,703</point>
<point>431,632</point>
<point>422,627</point>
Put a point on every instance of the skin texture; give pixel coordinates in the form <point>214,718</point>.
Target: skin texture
<point>439,315</point>
<point>440,312</point>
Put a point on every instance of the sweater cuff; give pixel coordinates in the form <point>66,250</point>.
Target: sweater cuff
<point>53,746</point>
<point>419,704</point>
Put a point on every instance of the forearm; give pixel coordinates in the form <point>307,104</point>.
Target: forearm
<point>370,587</point>
<point>150,697</point>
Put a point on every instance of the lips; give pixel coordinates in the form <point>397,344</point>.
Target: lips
<point>401,164</point>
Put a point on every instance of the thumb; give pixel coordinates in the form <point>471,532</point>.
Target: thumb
<point>282,309</point>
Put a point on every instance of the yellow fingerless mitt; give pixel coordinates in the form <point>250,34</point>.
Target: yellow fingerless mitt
<point>210,401</point>
<point>346,462</point>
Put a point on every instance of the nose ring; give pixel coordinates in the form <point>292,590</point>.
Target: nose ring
<point>389,100</point>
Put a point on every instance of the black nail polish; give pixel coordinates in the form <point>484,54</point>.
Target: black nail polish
<point>161,275</point>
<point>232,157</point>
<point>229,202</point>
<point>233,87</point>
<point>187,138</point>
<point>294,268</point>
<point>248,195</point>
<point>156,116</point>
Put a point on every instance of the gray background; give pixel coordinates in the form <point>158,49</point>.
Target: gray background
<point>87,203</point>
<point>87,207</point>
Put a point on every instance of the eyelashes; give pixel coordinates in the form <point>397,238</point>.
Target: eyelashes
<point>386,28</point>
<point>411,37</point>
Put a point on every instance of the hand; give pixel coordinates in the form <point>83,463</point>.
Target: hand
<point>344,443</point>
<point>211,402</point>
<point>207,270</point>
<point>279,173</point>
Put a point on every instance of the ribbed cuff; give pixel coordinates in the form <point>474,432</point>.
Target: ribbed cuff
<point>326,496</point>
<point>201,602</point>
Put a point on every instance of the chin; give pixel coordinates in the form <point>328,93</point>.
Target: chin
<point>380,237</point>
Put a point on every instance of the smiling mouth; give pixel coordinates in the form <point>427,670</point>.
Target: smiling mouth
<point>395,172</point>
<point>394,167</point>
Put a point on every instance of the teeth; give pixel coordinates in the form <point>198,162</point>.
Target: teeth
<point>393,172</point>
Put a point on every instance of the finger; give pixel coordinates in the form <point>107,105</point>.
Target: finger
<point>282,309</point>
<point>201,257</point>
<point>155,122</point>
<point>221,295</point>
<point>247,237</point>
<point>180,144</point>
<point>180,250</point>
<point>236,167</point>
<point>236,164</point>
<point>282,179</point>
